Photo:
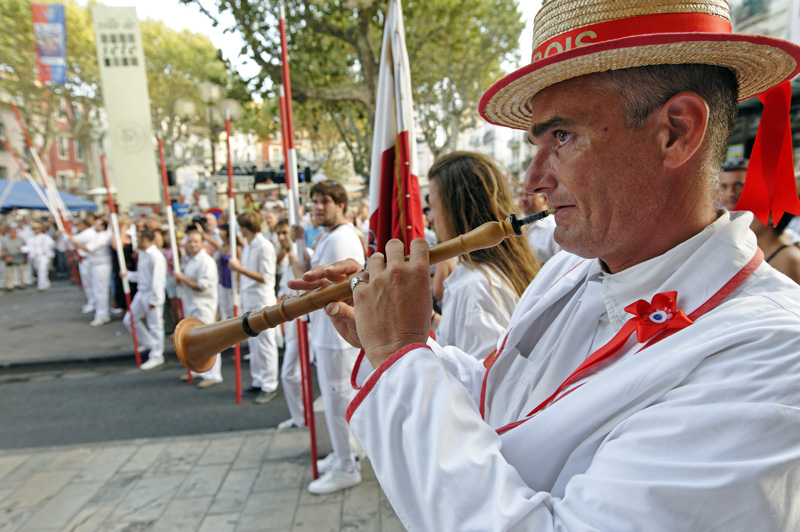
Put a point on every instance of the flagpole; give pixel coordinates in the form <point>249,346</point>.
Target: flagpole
<point>232,239</point>
<point>123,267</point>
<point>54,207</point>
<point>290,165</point>
<point>29,177</point>
<point>176,260</point>
<point>10,186</point>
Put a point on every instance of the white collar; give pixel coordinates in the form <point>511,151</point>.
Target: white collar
<point>658,274</point>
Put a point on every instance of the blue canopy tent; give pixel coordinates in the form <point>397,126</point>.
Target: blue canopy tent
<point>23,196</point>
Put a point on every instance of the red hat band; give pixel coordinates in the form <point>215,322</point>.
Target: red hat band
<point>631,27</point>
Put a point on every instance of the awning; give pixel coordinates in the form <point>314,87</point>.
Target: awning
<point>23,196</point>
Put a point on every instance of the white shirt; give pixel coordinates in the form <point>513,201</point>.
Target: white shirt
<point>151,276</point>
<point>99,248</point>
<point>476,307</point>
<point>540,238</point>
<point>40,246</point>
<point>84,237</point>
<point>259,256</point>
<point>695,432</point>
<point>201,304</point>
<point>341,242</point>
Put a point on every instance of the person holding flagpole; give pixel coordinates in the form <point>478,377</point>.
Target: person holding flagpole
<point>648,377</point>
<point>335,357</point>
<point>147,307</point>
<point>197,284</point>
<point>257,283</point>
<point>98,257</point>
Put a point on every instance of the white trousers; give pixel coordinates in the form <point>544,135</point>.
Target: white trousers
<point>333,370</point>
<point>263,359</point>
<point>86,281</point>
<point>149,325</point>
<point>100,274</point>
<point>226,303</point>
<point>292,376</point>
<point>27,273</point>
<point>215,373</point>
<point>42,265</point>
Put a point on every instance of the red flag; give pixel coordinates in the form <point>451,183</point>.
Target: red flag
<point>394,198</point>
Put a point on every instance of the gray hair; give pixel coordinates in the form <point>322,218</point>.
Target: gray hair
<point>643,89</point>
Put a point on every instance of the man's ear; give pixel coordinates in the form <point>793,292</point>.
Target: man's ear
<point>682,123</point>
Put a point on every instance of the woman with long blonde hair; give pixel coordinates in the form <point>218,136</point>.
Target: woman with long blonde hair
<point>467,190</point>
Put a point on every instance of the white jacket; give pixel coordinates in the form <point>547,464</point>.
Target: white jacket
<point>476,307</point>
<point>698,431</point>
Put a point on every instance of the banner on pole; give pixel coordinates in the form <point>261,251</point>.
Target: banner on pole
<point>50,34</point>
<point>394,197</point>
<point>127,103</point>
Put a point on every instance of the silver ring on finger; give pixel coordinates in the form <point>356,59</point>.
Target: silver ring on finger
<point>354,282</point>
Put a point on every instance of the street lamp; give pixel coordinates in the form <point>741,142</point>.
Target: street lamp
<point>217,109</point>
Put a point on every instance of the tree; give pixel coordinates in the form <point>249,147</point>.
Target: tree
<point>38,103</point>
<point>175,62</point>
<point>456,47</point>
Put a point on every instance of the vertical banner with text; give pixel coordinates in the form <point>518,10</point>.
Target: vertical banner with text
<point>50,34</point>
<point>127,104</point>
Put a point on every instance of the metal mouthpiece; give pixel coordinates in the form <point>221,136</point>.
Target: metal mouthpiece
<point>517,224</point>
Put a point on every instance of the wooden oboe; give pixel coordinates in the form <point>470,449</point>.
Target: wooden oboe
<point>196,343</point>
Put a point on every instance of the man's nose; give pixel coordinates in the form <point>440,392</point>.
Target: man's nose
<point>539,177</point>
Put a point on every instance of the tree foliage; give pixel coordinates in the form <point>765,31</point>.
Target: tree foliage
<point>176,62</point>
<point>19,78</point>
<point>456,48</point>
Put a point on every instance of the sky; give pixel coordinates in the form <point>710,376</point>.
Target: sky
<point>182,16</point>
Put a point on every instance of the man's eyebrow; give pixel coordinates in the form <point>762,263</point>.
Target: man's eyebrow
<point>537,130</point>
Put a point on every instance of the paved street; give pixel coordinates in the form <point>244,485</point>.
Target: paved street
<point>91,443</point>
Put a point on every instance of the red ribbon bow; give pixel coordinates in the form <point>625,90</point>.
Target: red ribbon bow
<point>658,315</point>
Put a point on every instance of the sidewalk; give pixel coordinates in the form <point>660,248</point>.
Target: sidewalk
<point>48,326</point>
<point>239,481</point>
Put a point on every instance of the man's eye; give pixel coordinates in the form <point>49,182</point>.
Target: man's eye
<point>562,137</point>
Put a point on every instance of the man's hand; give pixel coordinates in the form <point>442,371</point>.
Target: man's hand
<point>393,306</point>
<point>178,277</point>
<point>341,313</point>
<point>234,264</point>
<point>298,233</point>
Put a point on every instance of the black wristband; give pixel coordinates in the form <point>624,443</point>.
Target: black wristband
<point>246,326</point>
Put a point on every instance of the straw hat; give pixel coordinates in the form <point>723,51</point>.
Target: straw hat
<point>572,38</point>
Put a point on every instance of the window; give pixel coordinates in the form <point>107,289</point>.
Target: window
<point>61,114</point>
<point>3,135</point>
<point>3,172</point>
<point>62,146</point>
<point>62,180</point>
<point>79,152</point>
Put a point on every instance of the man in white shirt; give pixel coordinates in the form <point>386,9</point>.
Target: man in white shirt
<point>41,250</point>
<point>148,303</point>
<point>198,289</point>
<point>291,371</point>
<point>335,357</point>
<point>85,235</point>
<point>647,382</point>
<point>25,232</point>
<point>257,283</point>
<point>98,257</point>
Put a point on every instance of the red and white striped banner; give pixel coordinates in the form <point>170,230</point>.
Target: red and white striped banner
<point>394,196</point>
